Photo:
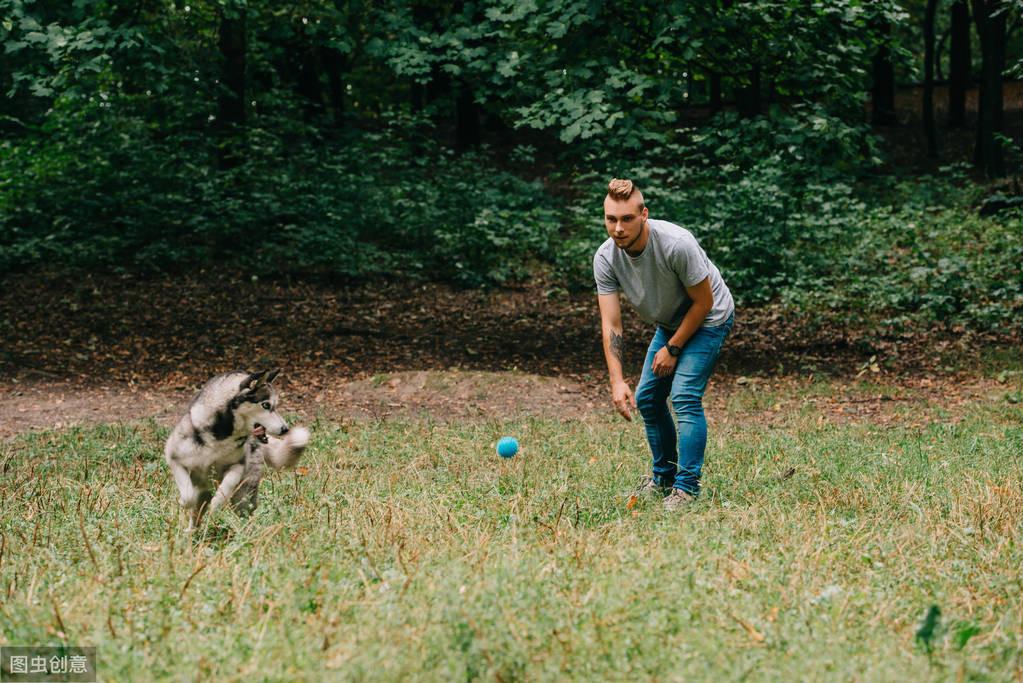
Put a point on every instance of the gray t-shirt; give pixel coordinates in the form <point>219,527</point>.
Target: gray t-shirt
<point>656,280</point>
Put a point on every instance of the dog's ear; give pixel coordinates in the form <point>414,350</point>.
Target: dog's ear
<point>272,375</point>
<point>254,380</point>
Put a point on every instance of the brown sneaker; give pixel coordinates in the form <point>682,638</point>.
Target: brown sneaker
<point>648,487</point>
<point>678,500</point>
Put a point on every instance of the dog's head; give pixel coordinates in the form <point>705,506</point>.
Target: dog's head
<point>257,405</point>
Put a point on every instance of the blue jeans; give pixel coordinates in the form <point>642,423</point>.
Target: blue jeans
<point>678,459</point>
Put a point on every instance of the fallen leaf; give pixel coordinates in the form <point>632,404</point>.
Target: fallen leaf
<point>756,635</point>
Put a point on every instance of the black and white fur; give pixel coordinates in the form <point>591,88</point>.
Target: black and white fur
<point>218,449</point>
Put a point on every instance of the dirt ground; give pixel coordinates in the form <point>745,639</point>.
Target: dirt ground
<point>458,394</point>
<point>79,350</point>
<point>438,394</point>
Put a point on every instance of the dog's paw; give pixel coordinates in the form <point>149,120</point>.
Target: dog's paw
<point>286,452</point>
<point>188,500</point>
<point>297,437</point>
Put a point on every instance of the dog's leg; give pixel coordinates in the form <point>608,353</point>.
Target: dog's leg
<point>281,453</point>
<point>246,496</point>
<point>189,495</point>
<point>232,477</point>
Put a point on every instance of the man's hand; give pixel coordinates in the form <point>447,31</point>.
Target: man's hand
<point>623,399</point>
<point>664,363</point>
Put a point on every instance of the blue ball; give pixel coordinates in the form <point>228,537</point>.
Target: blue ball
<point>507,446</point>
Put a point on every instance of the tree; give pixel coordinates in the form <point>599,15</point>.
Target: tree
<point>883,91</point>
<point>959,64</point>
<point>467,111</point>
<point>231,95</point>
<point>990,16</point>
<point>715,92</point>
<point>928,95</point>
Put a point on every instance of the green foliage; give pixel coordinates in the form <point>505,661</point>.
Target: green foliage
<point>770,203</point>
<point>780,225</point>
<point>113,195</point>
<point>943,265</point>
<point>756,193</point>
<point>113,155</point>
<point>626,99</point>
<point>964,632</point>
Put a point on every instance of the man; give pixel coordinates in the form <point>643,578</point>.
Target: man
<point>672,284</point>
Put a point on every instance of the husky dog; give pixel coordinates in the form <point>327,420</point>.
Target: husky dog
<point>217,451</point>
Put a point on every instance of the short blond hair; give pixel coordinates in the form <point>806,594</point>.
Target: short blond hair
<point>620,189</point>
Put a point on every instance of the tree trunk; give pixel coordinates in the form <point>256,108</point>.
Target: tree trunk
<point>231,95</point>
<point>748,98</point>
<point>959,64</point>
<point>939,72</point>
<point>883,92</point>
<point>438,87</point>
<point>309,86</point>
<point>715,92</point>
<point>928,103</point>
<point>417,97</point>
<point>335,63</point>
<point>467,118</point>
<point>990,17</point>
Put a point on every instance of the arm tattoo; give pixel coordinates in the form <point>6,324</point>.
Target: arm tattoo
<point>616,345</point>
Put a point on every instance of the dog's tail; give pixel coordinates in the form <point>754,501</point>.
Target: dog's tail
<point>281,453</point>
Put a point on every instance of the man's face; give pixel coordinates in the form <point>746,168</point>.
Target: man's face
<point>624,220</point>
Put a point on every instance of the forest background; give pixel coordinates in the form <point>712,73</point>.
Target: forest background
<point>834,157</point>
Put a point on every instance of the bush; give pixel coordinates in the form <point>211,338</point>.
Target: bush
<point>101,190</point>
<point>942,265</point>
<point>784,225</point>
<point>754,192</point>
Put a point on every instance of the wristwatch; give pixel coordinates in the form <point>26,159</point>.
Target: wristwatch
<point>674,350</point>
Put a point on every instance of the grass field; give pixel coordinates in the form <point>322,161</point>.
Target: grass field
<point>407,549</point>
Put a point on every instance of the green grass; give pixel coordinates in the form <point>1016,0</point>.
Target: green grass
<point>407,549</point>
